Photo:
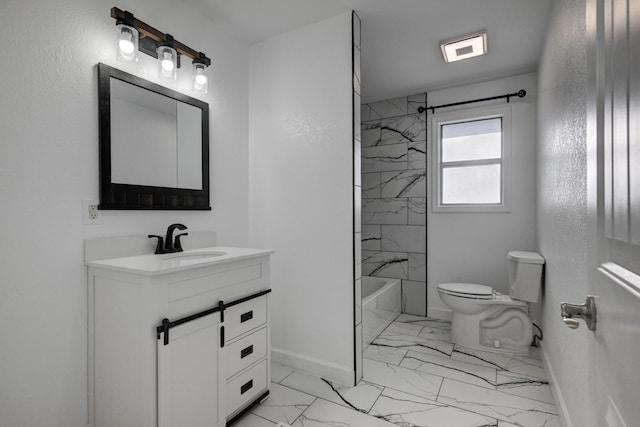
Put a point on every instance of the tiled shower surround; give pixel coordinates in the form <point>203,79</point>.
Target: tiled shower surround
<point>357,194</point>
<point>394,191</point>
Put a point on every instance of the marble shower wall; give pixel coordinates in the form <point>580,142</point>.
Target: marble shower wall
<point>394,191</point>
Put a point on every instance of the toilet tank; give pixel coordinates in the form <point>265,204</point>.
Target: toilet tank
<point>525,275</point>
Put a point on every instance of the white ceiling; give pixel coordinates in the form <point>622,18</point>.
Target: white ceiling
<point>400,38</point>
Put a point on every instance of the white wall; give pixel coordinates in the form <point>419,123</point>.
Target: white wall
<point>562,197</point>
<point>49,163</point>
<point>472,247</point>
<point>301,191</point>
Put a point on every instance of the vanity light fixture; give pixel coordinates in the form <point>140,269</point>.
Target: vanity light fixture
<point>134,35</point>
<point>200,77</point>
<point>167,60</point>
<point>126,39</point>
<point>464,47</point>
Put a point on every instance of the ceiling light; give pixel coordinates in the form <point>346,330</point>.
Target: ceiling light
<point>464,47</point>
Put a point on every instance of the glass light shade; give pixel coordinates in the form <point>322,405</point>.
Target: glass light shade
<point>126,43</point>
<point>200,77</point>
<point>167,62</point>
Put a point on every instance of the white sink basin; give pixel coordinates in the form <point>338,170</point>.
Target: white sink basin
<point>187,255</point>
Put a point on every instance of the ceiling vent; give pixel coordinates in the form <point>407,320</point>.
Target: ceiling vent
<point>464,47</point>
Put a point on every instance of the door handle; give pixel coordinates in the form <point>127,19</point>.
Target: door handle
<point>571,313</point>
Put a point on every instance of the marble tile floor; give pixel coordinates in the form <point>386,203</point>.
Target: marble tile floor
<point>414,376</point>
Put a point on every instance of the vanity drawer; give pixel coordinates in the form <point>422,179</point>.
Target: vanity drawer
<point>246,387</point>
<point>246,352</point>
<point>245,317</point>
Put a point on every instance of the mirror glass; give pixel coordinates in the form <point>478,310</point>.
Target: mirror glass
<point>155,140</point>
<point>154,145</point>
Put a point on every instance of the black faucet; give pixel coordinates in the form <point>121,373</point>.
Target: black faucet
<point>169,245</point>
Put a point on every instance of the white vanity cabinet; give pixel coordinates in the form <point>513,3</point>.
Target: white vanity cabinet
<point>246,348</point>
<point>188,375</point>
<point>178,340</point>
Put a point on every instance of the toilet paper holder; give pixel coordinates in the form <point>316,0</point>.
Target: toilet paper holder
<point>571,313</point>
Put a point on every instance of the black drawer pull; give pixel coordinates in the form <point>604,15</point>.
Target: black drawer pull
<point>245,388</point>
<point>246,351</point>
<point>246,316</point>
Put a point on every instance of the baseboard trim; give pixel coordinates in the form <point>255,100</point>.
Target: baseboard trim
<point>318,367</point>
<point>561,406</point>
<point>440,313</point>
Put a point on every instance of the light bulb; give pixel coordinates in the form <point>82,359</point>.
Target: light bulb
<point>126,45</point>
<point>201,79</point>
<point>167,62</point>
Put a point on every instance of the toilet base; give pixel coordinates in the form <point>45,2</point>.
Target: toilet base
<point>505,331</point>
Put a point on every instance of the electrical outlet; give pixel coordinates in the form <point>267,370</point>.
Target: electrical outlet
<point>90,213</point>
<point>93,212</point>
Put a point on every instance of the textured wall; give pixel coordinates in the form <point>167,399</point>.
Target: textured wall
<point>562,195</point>
<point>301,191</point>
<point>49,163</point>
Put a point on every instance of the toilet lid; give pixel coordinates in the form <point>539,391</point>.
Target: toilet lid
<point>468,289</point>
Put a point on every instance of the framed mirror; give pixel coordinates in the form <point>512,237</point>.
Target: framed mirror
<point>154,145</point>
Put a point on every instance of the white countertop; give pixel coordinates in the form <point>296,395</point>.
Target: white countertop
<point>151,264</point>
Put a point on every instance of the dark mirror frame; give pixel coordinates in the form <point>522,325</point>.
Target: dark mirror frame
<point>116,196</point>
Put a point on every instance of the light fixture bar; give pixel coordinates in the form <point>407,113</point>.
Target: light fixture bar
<point>159,37</point>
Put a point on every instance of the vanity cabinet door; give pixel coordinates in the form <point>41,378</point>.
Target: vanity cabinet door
<point>189,373</point>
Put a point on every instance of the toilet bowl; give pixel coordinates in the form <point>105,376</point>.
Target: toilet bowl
<point>487,320</point>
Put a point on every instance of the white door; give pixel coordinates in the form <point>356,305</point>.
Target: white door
<point>614,211</point>
<point>189,377</point>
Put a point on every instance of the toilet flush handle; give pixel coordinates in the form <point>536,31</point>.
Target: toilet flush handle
<point>572,312</point>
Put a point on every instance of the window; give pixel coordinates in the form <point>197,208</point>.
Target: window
<point>471,160</point>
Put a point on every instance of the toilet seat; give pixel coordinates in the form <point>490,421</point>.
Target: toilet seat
<point>468,290</point>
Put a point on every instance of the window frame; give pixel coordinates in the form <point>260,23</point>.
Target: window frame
<point>473,114</point>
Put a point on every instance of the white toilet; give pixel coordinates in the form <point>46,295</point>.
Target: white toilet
<point>487,320</point>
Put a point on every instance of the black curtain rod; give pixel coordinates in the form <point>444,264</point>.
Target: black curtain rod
<point>520,94</point>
